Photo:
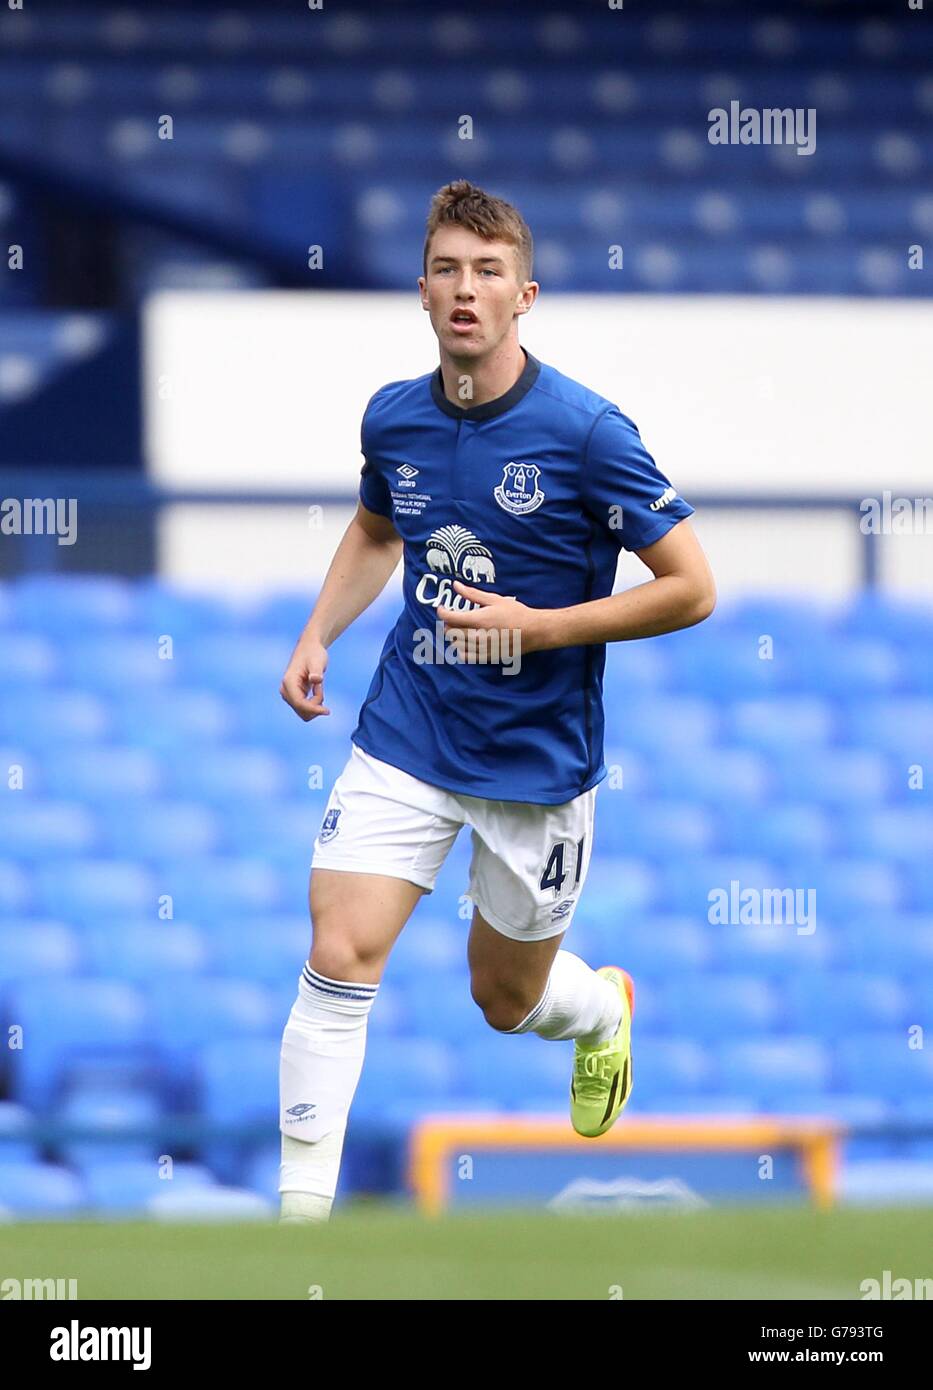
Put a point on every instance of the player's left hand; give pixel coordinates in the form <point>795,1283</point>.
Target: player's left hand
<point>500,611</point>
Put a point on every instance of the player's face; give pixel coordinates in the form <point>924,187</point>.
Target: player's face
<point>472,291</point>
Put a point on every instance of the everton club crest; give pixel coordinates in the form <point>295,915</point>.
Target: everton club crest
<point>329,826</point>
<point>519,490</point>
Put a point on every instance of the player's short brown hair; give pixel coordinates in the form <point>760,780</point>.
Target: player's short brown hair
<point>465,205</point>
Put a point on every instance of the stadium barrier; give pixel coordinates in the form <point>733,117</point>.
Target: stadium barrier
<point>437,1141</point>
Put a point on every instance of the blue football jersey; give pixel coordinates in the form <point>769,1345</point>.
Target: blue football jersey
<point>531,495</point>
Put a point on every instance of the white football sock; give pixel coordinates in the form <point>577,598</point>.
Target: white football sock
<point>576,1003</point>
<point>323,1046</point>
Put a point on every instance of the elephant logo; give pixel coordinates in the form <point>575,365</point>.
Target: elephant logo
<point>519,491</point>
<point>478,567</point>
<point>456,551</point>
<point>438,559</point>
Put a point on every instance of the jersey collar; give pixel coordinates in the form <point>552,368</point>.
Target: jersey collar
<point>489,409</point>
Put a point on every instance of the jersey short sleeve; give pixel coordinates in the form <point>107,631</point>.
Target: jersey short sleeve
<point>623,489</point>
<point>374,490</point>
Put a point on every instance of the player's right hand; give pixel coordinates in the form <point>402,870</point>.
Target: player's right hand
<point>304,673</point>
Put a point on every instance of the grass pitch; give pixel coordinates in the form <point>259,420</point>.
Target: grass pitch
<point>374,1251</point>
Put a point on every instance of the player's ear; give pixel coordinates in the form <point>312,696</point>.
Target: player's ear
<point>529,293</point>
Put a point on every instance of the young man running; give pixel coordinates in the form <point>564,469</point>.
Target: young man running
<point>509,490</point>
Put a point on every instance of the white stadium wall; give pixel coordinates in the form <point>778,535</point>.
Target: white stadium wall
<point>750,397</point>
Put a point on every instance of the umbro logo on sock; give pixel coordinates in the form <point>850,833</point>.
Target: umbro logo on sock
<point>300,1111</point>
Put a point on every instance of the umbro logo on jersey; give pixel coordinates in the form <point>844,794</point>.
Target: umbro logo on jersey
<point>667,495</point>
<point>299,1111</point>
<point>519,491</point>
<point>408,474</point>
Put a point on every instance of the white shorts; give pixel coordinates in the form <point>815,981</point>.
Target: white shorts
<point>529,862</point>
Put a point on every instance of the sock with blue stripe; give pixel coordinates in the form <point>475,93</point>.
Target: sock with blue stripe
<point>319,1068</point>
<point>576,1003</point>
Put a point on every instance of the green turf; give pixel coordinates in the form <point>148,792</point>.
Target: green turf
<point>377,1252</point>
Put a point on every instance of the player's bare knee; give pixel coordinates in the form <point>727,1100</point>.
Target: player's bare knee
<point>342,960</point>
<point>503,1007</point>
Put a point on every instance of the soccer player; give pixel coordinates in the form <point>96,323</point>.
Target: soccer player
<point>509,490</point>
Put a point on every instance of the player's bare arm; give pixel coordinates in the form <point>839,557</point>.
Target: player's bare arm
<point>681,594</point>
<point>362,565</point>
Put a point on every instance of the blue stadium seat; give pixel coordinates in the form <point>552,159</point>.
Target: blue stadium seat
<point>238,1079</point>
<point>65,1021</point>
<point>142,950</point>
<point>15,1144</point>
<point>158,829</point>
<point>669,827</point>
<point>773,724</point>
<point>671,1067</point>
<point>847,666</point>
<point>834,777</point>
<point>901,1182</point>
<point>832,1005</point>
<point>28,660</point>
<point>661,721</point>
<point>618,889</point>
<point>702,1105</point>
<point>103,666</point>
<point>843,1108</point>
<point>428,943</point>
<point>47,829</point>
<point>98,773</point>
<point>121,1186</point>
<point>717,776</point>
<point>876,614</point>
<point>899,834</point>
<point>179,721</point>
<point>189,1012</point>
<point>229,663</point>
<point>202,1202</point>
<point>60,604</point>
<point>204,802</point>
<point>233,773</point>
<point>785,618</point>
<point>284,827</point>
<point>162,609</point>
<point>654,946</point>
<point>106,1110</point>
<point>899,725</point>
<point>515,1070</point>
<point>442,1007</point>
<point>45,720</point>
<point>41,1190</point>
<point>778,951</point>
<point>884,1064</point>
<point>899,943</point>
<point>85,889</point>
<point>710,1007</point>
<point>705,665</point>
<point>408,1066</point>
<point>268,950</point>
<point>32,949</point>
<point>771,1068</point>
<point>693,883</point>
<point>785,831</point>
<point>845,886</point>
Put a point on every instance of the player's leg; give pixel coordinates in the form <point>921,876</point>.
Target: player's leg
<point>529,867</point>
<point>383,840</point>
<point>356,919</point>
<point>534,987</point>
